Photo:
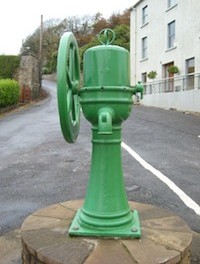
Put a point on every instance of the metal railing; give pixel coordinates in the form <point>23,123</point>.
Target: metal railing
<point>173,84</point>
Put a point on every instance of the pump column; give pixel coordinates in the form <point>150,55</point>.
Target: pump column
<point>106,211</point>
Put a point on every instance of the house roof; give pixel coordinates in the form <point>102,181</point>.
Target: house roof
<point>137,3</point>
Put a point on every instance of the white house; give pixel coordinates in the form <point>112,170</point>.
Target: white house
<point>166,33</point>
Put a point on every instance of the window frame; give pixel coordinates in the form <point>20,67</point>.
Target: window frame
<point>190,68</point>
<point>171,34</point>
<point>190,72</point>
<point>145,15</point>
<point>144,77</point>
<point>171,3</point>
<point>144,48</point>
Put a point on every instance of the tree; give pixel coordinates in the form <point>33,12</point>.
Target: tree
<point>122,36</point>
<point>52,30</point>
<point>99,23</point>
<point>114,20</point>
<point>125,17</point>
<point>85,29</point>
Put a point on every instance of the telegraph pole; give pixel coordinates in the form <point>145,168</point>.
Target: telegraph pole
<point>41,37</point>
<point>40,51</point>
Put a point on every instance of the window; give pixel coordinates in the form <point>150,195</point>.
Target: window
<point>190,66</point>
<point>190,69</point>
<point>171,3</point>
<point>144,15</point>
<point>171,34</point>
<point>144,77</point>
<point>144,48</point>
<point>169,78</point>
<point>144,80</point>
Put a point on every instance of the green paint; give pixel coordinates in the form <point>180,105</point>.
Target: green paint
<point>106,101</point>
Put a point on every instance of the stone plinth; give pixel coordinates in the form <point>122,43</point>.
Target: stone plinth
<point>166,238</point>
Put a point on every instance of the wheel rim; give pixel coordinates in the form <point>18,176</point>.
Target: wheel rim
<point>68,79</point>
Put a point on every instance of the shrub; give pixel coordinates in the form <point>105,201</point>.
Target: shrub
<point>8,66</point>
<point>173,69</point>
<point>9,92</point>
<point>152,74</point>
<point>45,70</point>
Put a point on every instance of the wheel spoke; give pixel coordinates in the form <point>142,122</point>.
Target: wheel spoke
<point>73,108</point>
<point>69,82</point>
<point>71,62</point>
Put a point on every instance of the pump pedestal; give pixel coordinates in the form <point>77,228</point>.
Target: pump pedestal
<point>106,211</point>
<point>166,238</point>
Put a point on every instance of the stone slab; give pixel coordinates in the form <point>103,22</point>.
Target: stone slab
<point>166,238</point>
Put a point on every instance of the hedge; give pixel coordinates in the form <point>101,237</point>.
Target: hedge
<point>8,66</point>
<point>9,92</point>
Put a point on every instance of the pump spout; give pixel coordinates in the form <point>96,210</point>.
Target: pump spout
<point>138,88</point>
<point>105,121</point>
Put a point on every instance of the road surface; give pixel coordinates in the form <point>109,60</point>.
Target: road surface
<point>38,168</point>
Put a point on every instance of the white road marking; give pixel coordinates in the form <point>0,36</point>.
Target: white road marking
<point>182,195</point>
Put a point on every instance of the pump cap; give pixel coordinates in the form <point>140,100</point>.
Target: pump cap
<point>106,36</point>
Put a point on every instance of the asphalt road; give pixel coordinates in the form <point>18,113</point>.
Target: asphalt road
<point>38,168</point>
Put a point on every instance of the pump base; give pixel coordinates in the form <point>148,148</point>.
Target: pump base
<point>132,231</point>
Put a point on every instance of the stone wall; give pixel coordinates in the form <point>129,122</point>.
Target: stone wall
<point>29,78</point>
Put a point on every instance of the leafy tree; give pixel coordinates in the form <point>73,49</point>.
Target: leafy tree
<point>51,65</point>
<point>99,23</point>
<point>85,30</point>
<point>8,66</point>
<point>51,37</point>
<point>114,20</point>
<point>125,17</point>
<point>122,36</point>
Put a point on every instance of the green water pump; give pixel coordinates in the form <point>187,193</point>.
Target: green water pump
<point>106,101</point>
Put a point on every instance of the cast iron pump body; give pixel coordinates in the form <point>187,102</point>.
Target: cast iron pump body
<point>106,101</point>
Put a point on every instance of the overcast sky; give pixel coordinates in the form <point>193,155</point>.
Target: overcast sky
<point>20,18</point>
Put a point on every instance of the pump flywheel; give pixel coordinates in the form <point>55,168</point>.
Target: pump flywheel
<point>68,79</point>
